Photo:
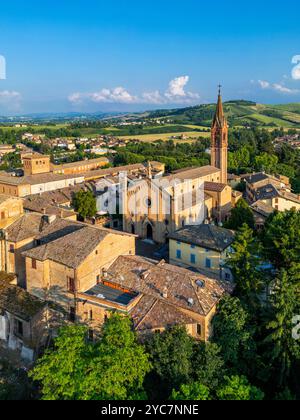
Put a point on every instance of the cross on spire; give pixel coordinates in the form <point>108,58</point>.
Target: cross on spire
<point>220,87</point>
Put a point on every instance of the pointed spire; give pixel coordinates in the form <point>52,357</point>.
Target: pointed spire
<point>219,118</point>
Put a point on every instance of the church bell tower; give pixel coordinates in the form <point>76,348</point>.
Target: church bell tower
<point>219,141</point>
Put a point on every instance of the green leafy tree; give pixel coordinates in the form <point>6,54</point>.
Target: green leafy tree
<point>120,364</point>
<point>191,392</point>
<point>237,388</point>
<point>266,162</point>
<point>171,357</point>
<point>281,239</point>
<point>84,203</point>
<point>62,372</point>
<point>208,365</point>
<point>112,368</point>
<point>244,262</point>
<point>233,332</point>
<point>240,215</point>
<point>283,349</point>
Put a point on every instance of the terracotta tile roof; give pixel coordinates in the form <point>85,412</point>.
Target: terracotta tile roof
<point>262,208</point>
<point>101,173</point>
<point>180,288</point>
<point>206,236</point>
<point>71,244</point>
<point>39,227</point>
<point>4,198</point>
<point>49,202</point>
<point>193,173</point>
<point>151,313</point>
<point>80,163</point>
<point>289,196</point>
<point>214,186</point>
<point>28,226</point>
<point>58,229</point>
<point>17,301</point>
<point>36,179</point>
<point>69,250</point>
<point>254,178</point>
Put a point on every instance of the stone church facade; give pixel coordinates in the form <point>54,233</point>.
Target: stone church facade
<point>153,209</point>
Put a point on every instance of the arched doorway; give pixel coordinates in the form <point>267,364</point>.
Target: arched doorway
<point>133,229</point>
<point>149,232</point>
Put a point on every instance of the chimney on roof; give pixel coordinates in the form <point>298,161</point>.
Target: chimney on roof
<point>191,302</point>
<point>145,275</point>
<point>165,293</point>
<point>161,263</point>
<point>49,218</point>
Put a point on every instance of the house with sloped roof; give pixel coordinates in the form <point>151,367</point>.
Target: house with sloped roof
<point>261,212</point>
<point>23,319</point>
<point>202,248</point>
<point>156,295</point>
<point>69,258</point>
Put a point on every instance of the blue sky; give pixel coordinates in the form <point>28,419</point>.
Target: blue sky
<point>134,55</point>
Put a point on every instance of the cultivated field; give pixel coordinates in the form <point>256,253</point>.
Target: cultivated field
<point>190,136</point>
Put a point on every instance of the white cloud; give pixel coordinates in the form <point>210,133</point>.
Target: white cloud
<point>284,89</point>
<point>177,91</point>
<point>7,95</point>
<point>278,87</point>
<point>296,69</point>
<point>175,94</point>
<point>264,84</point>
<point>176,86</point>
<point>153,97</point>
<point>117,95</point>
<point>10,100</point>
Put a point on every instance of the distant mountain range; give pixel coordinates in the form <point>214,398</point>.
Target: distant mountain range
<point>57,117</point>
<point>239,113</point>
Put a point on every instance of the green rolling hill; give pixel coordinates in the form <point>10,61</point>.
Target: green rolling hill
<point>239,113</point>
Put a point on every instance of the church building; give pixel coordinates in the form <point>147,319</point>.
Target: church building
<point>154,209</point>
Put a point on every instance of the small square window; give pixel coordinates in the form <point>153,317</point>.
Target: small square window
<point>33,264</point>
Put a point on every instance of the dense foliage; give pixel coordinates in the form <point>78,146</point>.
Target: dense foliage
<point>112,368</point>
<point>84,203</point>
